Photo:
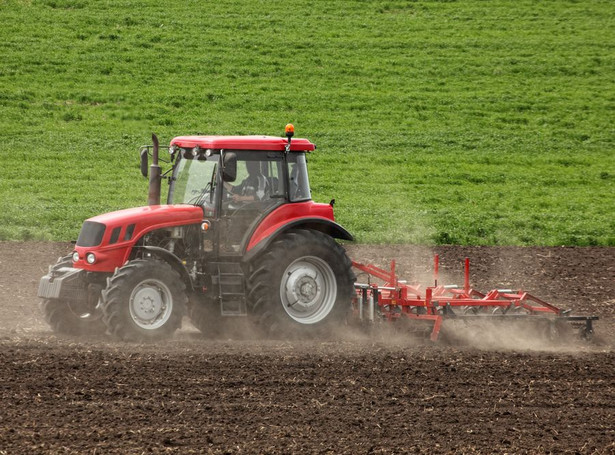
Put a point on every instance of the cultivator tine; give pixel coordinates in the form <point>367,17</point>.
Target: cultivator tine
<point>436,329</point>
<point>360,299</point>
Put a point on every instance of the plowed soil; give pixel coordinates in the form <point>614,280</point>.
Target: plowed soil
<point>498,392</point>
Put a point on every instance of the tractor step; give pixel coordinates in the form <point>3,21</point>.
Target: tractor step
<point>230,282</point>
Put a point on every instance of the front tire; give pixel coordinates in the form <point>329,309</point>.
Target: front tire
<point>145,300</point>
<point>303,285</point>
<point>69,317</point>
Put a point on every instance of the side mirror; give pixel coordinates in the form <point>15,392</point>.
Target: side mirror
<point>229,167</point>
<point>144,163</point>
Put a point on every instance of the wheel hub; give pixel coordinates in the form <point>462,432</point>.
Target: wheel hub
<point>147,303</point>
<point>150,304</point>
<point>302,288</point>
<point>308,290</point>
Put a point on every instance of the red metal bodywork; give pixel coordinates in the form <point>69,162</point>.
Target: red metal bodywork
<point>150,218</point>
<point>265,143</point>
<point>289,213</point>
<point>145,219</point>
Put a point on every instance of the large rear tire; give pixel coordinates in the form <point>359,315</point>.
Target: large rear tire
<point>302,286</point>
<point>69,317</point>
<point>145,300</point>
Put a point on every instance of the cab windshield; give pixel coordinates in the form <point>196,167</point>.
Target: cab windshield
<point>194,181</point>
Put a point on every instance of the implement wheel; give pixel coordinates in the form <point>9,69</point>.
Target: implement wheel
<point>144,300</point>
<point>302,286</point>
<point>71,317</point>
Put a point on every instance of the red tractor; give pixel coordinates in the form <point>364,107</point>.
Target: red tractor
<point>239,236</point>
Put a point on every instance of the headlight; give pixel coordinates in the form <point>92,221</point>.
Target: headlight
<point>75,256</point>
<point>90,258</point>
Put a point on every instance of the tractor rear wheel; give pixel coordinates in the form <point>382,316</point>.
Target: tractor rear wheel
<point>144,300</point>
<point>70,317</point>
<point>301,286</point>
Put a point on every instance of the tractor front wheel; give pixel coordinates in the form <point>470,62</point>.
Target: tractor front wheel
<point>72,317</point>
<point>301,286</point>
<point>144,300</point>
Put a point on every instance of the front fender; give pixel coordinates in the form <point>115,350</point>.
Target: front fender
<point>169,258</point>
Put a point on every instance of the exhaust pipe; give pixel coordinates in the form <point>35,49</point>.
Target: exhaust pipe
<point>155,180</point>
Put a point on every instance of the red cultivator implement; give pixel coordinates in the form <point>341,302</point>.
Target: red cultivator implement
<point>396,301</point>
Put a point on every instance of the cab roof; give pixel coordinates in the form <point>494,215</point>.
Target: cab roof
<point>266,143</point>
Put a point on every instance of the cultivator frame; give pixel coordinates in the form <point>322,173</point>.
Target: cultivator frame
<point>395,300</point>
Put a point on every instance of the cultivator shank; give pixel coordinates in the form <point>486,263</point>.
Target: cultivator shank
<point>394,300</point>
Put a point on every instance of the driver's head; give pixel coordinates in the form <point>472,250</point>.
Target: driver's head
<point>254,167</point>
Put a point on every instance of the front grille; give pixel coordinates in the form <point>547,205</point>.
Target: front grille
<point>48,289</point>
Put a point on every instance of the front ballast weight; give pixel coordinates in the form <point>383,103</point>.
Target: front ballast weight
<point>394,301</point>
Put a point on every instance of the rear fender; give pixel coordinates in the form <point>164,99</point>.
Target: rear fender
<point>317,224</point>
<point>168,257</point>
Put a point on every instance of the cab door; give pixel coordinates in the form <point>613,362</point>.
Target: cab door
<point>256,191</point>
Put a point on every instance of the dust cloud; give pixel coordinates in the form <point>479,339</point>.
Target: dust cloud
<point>497,335</point>
<point>513,335</point>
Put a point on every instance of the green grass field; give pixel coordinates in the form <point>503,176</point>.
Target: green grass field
<point>468,122</point>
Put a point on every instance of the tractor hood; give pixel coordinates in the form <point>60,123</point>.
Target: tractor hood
<point>133,223</point>
<point>112,235</point>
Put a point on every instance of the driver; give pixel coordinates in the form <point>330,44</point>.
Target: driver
<point>253,187</point>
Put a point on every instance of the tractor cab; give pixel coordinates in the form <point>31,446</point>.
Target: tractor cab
<point>237,182</point>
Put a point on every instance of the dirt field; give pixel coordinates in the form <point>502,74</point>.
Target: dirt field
<point>361,395</point>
